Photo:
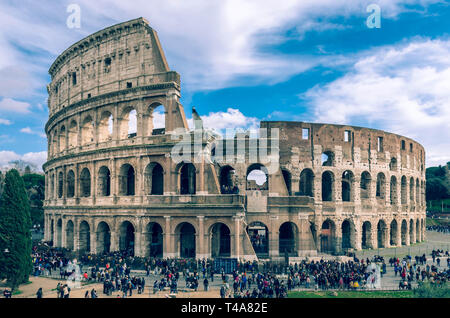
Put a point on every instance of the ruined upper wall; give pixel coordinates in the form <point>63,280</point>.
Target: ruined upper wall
<point>361,149</point>
<point>120,57</point>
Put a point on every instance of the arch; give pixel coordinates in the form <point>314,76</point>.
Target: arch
<point>348,234</point>
<point>381,186</point>
<point>393,231</point>
<point>288,239</point>
<point>85,183</point>
<point>103,238</point>
<point>417,231</point>
<point>187,240</point>
<point>126,238</point>
<point>127,180</point>
<point>306,183</point>
<point>104,182</point>
<point>87,131</point>
<point>128,123</point>
<point>228,180</point>
<point>366,240</point>
<point>70,235</point>
<point>365,185</point>
<point>403,190</point>
<point>187,180</point>
<point>404,232</point>
<point>84,239</point>
<point>411,231</point>
<point>60,185</point>
<point>155,239</point>
<point>287,177</point>
<point>105,127</point>
<point>258,233</point>
<point>70,184</point>
<point>411,190</point>
<point>347,186</point>
<point>418,192</point>
<point>154,179</point>
<point>73,134</point>
<point>393,191</point>
<point>220,240</point>
<point>393,164</point>
<point>62,139</point>
<point>52,232</point>
<point>327,236</point>
<point>327,186</point>
<point>327,159</point>
<point>156,119</point>
<point>381,234</point>
<point>59,233</point>
<point>257,177</point>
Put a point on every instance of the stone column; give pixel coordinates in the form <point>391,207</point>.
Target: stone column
<point>273,237</point>
<point>200,238</point>
<point>76,235</point>
<point>114,242</point>
<point>358,236</point>
<point>137,243</point>
<point>237,236</point>
<point>168,244</point>
<point>63,233</point>
<point>93,242</point>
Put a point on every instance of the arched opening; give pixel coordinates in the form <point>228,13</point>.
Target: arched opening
<point>381,186</point>
<point>87,131</point>
<point>393,191</point>
<point>327,186</point>
<point>307,183</point>
<point>105,127</point>
<point>154,240</point>
<point>85,183</point>
<point>69,235</point>
<point>227,180</point>
<point>187,179</point>
<point>103,238</point>
<point>73,134</point>
<point>403,190</point>
<point>393,164</point>
<point>52,233</point>
<point>411,190</point>
<point>70,184</point>
<point>366,240</point>
<point>126,180</point>
<point>287,180</point>
<point>60,185</point>
<point>347,186</point>
<point>128,124</point>
<point>126,238</point>
<point>393,230</point>
<point>259,237</point>
<point>348,235</point>
<point>220,241</point>
<point>59,233</point>
<point>417,231</point>
<point>62,139</point>
<point>154,179</point>
<point>381,234</point>
<point>327,237</point>
<point>257,177</point>
<point>156,120</point>
<point>411,231</point>
<point>288,239</point>
<point>327,159</point>
<point>104,182</point>
<point>187,240</point>
<point>84,239</point>
<point>404,232</point>
<point>365,189</point>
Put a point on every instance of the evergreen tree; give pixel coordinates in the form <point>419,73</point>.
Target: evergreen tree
<point>15,236</point>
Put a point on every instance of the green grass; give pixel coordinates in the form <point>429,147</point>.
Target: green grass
<point>17,292</point>
<point>352,294</point>
<point>436,205</point>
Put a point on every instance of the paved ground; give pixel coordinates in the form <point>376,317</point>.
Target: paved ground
<point>389,281</point>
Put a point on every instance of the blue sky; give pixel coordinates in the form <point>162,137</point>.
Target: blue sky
<point>250,60</point>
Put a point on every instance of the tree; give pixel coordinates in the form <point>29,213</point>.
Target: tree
<point>15,236</point>
<point>35,187</point>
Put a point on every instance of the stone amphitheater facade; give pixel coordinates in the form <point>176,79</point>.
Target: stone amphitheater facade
<point>109,188</point>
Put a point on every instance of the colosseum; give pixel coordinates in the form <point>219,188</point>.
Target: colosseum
<point>113,183</point>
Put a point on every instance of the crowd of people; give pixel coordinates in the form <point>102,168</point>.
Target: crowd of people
<point>439,228</point>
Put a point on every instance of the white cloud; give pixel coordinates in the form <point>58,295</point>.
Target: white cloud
<point>8,105</point>
<point>5,122</point>
<point>35,158</point>
<point>28,130</point>
<point>403,89</point>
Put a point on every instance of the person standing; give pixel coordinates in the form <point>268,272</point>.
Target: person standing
<point>39,293</point>
<point>205,284</point>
